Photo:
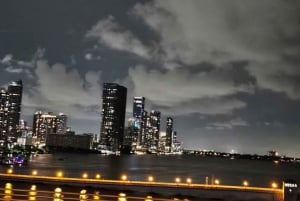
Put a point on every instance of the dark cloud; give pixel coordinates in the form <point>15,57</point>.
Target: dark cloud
<point>228,72</point>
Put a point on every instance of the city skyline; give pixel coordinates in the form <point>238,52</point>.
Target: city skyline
<point>227,73</point>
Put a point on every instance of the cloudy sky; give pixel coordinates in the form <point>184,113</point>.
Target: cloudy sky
<point>227,71</point>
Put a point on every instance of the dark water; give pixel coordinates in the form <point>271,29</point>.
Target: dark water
<point>162,168</point>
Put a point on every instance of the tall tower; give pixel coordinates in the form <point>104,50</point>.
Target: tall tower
<point>154,119</point>
<point>113,116</point>
<point>4,105</point>
<point>138,107</point>
<point>138,112</point>
<point>10,109</point>
<point>169,132</point>
<point>144,129</point>
<point>61,123</point>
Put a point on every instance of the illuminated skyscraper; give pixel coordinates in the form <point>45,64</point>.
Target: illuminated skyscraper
<point>10,109</point>
<point>131,136</point>
<point>113,116</point>
<point>138,107</point>
<point>4,105</point>
<point>61,123</point>
<point>169,133</point>
<point>138,124</point>
<point>153,131</point>
<point>144,129</point>
<point>45,123</point>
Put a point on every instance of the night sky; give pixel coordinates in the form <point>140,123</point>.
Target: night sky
<point>227,71</point>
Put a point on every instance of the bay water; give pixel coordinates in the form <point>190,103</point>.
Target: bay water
<point>162,168</point>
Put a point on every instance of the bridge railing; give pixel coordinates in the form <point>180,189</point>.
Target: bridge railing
<point>8,193</point>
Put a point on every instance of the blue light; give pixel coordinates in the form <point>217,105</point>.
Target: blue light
<point>136,125</point>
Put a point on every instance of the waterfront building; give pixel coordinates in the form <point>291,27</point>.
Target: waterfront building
<point>4,105</point>
<point>148,132</point>
<point>10,110</point>
<point>69,141</point>
<point>153,130</point>
<point>61,123</point>
<point>131,136</point>
<point>138,123</point>
<point>273,153</point>
<point>25,140</point>
<point>48,122</point>
<point>113,116</point>
<point>25,131</point>
<point>144,129</point>
<point>95,137</point>
<point>138,107</point>
<point>162,143</point>
<point>169,134</point>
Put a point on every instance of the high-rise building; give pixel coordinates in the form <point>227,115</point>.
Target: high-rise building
<point>169,133</point>
<point>153,131</point>
<point>138,124</point>
<point>130,141</point>
<point>61,123</point>
<point>10,109</point>
<point>4,105</point>
<point>144,129</point>
<point>113,116</point>
<point>138,107</point>
<point>45,123</point>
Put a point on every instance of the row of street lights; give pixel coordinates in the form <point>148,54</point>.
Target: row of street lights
<point>150,178</point>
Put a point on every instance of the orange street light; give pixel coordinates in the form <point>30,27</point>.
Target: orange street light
<point>150,178</point>
<point>188,180</point>
<point>124,177</point>
<point>274,185</point>
<point>85,175</point>
<point>34,172</point>
<point>217,181</point>
<point>98,176</point>
<point>9,171</point>
<point>245,183</point>
<point>59,174</point>
<point>177,179</point>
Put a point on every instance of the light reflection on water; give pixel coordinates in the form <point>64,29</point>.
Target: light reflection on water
<point>163,168</point>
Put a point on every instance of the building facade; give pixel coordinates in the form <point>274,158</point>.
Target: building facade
<point>131,133</point>
<point>137,122</point>
<point>138,107</point>
<point>69,141</point>
<point>48,122</point>
<point>10,109</point>
<point>169,134</point>
<point>144,129</point>
<point>153,130</point>
<point>113,116</point>
<point>61,123</point>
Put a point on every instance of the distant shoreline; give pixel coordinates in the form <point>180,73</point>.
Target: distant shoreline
<point>232,156</point>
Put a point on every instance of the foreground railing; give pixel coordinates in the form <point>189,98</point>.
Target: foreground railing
<point>8,193</point>
<point>215,190</point>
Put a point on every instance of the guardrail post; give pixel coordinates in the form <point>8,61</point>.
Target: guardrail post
<point>83,196</point>
<point>58,196</point>
<point>122,197</point>
<point>8,192</point>
<point>96,196</point>
<point>32,193</point>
